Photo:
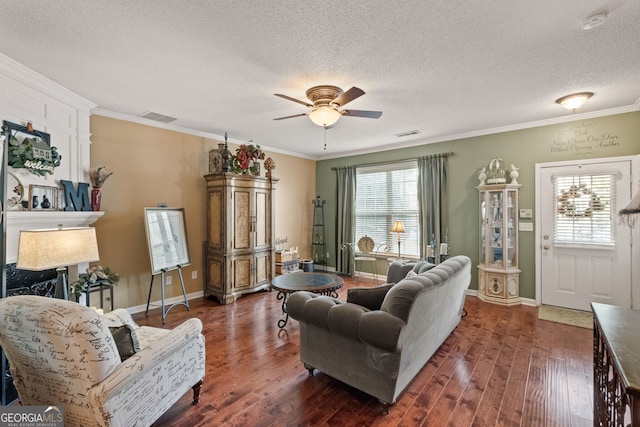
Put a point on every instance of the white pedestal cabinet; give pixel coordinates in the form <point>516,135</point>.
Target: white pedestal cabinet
<point>498,272</point>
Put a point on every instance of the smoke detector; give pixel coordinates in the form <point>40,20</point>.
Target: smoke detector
<point>595,20</point>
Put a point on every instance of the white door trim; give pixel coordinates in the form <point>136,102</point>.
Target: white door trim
<point>635,240</point>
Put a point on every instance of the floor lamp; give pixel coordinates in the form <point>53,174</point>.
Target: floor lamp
<point>57,248</point>
<point>398,227</point>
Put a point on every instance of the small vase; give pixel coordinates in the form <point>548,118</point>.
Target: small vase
<point>96,198</point>
<point>34,202</point>
<point>255,169</point>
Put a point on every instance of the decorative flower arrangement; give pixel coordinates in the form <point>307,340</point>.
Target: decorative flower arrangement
<point>245,157</point>
<point>99,176</point>
<point>92,275</point>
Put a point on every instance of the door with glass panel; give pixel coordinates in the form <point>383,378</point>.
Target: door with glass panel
<point>584,254</point>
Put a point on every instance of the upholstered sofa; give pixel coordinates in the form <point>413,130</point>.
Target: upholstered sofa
<point>379,351</point>
<point>64,354</point>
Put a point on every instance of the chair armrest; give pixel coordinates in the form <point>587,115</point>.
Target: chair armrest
<point>148,359</point>
<point>311,308</point>
<point>380,329</point>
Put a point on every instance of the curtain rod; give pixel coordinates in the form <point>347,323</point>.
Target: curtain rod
<point>447,154</point>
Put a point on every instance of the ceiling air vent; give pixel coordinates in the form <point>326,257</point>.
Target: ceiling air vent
<point>408,133</point>
<point>158,117</point>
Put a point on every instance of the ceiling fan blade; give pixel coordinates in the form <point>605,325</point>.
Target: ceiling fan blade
<point>348,96</point>
<point>293,99</point>
<point>362,113</point>
<point>289,117</point>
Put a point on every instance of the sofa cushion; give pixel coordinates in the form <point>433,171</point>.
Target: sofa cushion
<point>422,266</point>
<point>370,298</point>
<point>398,270</point>
<point>126,340</point>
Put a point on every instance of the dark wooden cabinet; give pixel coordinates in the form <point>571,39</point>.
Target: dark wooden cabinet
<point>616,372</point>
<point>240,222</point>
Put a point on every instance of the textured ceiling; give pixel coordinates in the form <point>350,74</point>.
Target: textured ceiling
<point>446,68</point>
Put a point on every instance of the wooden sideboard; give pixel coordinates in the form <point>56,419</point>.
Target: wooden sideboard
<point>616,370</point>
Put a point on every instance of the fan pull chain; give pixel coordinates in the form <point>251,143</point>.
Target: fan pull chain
<point>325,138</point>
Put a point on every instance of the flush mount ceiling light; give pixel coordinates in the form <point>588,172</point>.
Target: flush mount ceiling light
<point>326,103</point>
<point>575,100</point>
<point>595,20</point>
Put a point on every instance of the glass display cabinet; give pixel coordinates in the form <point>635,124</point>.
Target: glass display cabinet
<point>498,272</point>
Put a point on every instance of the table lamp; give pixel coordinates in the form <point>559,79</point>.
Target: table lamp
<point>398,227</point>
<point>57,248</point>
<point>631,212</point>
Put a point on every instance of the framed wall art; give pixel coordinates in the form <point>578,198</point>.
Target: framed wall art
<point>43,198</point>
<point>31,149</point>
<point>167,238</point>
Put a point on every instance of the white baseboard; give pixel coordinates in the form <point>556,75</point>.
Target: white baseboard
<point>200,294</point>
<point>167,302</point>
<point>523,301</point>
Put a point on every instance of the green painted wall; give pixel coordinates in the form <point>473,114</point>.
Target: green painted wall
<point>610,136</point>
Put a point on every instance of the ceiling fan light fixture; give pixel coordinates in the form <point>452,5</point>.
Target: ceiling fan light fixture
<point>575,100</point>
<point>324,115</point>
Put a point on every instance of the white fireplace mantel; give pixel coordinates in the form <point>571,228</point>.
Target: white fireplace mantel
<point>30,220</point>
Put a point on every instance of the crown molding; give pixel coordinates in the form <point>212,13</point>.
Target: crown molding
<point>26,76</point>
<point>174,128</point>
<point>492,131</point>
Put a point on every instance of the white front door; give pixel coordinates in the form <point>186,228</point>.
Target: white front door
<point>584,254</point>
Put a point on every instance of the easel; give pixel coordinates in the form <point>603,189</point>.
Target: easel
<point>163,283</point>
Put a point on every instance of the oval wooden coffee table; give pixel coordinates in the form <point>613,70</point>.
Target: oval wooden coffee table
<point>318,283</point>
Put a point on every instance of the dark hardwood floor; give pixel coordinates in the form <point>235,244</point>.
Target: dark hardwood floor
<point>500,367</point>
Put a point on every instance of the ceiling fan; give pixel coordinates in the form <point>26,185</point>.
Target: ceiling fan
<point>326,103</point>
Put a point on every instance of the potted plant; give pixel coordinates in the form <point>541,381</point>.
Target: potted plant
<point>93,275</point>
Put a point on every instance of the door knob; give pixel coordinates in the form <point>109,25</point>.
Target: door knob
<point>545,247</point>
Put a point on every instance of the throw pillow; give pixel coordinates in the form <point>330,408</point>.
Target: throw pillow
<point>410,274</point>
<point>126,341</point>
<point>370,298</point>
<point>422,266</point>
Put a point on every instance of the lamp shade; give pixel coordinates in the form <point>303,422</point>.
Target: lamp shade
<point>631,212</point>
<point>324,115</point>
<point>52,248</point>
<point>398,227</point>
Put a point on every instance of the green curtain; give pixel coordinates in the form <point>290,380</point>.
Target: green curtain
<point>432,199</point>
<point>345,209</point>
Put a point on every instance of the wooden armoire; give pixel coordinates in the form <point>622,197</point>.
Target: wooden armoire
<point>240,245</point>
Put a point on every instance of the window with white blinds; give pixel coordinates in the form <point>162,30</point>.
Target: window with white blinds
<point>384,194</point>
<point>583,209</point>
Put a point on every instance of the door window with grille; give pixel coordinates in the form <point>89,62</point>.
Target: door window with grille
<point>583,210</point>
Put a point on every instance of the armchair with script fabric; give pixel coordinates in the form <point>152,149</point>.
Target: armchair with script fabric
<point>64,354</point>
